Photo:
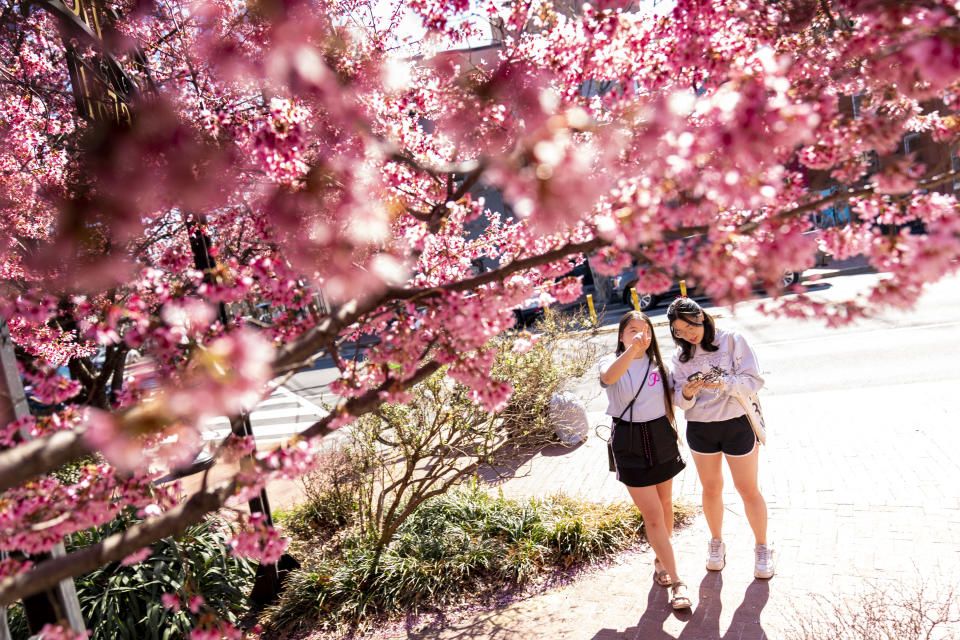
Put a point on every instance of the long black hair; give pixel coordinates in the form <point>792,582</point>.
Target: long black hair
<point>689,311</point>
<point>653,352</point>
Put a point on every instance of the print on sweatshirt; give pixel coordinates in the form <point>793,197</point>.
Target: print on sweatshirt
<point>733,365</point>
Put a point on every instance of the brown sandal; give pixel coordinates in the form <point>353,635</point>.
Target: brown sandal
<point>679,599</point>
<point>660,575</point>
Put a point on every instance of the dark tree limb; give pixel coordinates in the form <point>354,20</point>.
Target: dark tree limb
<point>42,455</point>
<point>48,573</point>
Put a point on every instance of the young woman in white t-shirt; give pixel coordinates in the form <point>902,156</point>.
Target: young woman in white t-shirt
<point>644,439</point>
<point>710,368</point>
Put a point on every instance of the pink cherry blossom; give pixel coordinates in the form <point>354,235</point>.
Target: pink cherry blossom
<point>171,601</point>
<point>258,541</point>
<point>523,343</point>
<point>58,632</point>
<point>194,603</point>
<point>107,434</point>
<point>135,558</point>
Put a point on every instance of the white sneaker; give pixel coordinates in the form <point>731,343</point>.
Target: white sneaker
<point>716,555</point>
<point>764,567</point>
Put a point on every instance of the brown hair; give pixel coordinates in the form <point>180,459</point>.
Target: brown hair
<point>653,352</point>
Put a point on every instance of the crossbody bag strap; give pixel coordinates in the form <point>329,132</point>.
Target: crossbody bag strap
<point>643,382</point>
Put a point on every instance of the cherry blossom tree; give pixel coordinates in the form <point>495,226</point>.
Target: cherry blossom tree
<point>317,157</point>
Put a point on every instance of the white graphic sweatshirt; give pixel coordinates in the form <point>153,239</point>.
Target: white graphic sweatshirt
<point>733,365</point>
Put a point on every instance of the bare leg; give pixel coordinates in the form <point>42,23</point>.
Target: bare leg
<point>648,502</point>
<point>665,492</point>
<point>744,472</point>
<point>710,470</point>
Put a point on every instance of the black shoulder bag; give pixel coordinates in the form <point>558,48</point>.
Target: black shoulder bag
<point>613,426</point>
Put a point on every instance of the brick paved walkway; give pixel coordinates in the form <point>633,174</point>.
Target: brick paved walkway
<point>852,501</point>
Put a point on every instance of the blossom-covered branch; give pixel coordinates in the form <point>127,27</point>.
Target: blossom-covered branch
<point>47,573</point>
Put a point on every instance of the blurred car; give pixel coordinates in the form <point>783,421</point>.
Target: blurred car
<point>532,310</point>
<point>37,407</point>
<point>529,312</point>
<point>628,279</point>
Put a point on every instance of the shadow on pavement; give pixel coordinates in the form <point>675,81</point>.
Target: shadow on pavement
<point>817,286</point>
<point>703,623</point>
<point>650,625</point>
<point>745,624</point>
<point>508,468</point>
<point>560,449</point>
<point>492,625</point>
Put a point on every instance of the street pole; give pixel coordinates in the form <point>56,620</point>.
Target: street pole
<point>267,583</point>
<point>61,602</point>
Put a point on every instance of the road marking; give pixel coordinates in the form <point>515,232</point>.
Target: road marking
<point>267,432</point>
<point>306,413</point>
<point>259,416</point>
<point>303,402</point>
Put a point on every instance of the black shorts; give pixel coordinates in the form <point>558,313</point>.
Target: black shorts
<point>734,437</point>
<point>640,466</point>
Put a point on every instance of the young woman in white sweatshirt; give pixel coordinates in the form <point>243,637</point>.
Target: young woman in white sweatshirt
<point>709,369</point>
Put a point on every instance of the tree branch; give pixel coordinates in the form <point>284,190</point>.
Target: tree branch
<point>819,204</point>
<point>40,456</point>
<point>846,195</point>
<point>825,7</point>
<point>302,350</point>
<point>48,573</point>
<point>499,274</point>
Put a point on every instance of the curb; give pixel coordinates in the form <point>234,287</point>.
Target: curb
<point>850,271</point>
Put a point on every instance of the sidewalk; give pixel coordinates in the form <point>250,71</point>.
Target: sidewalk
<point>882,504</point>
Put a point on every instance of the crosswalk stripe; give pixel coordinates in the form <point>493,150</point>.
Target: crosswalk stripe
<point>266,432</point>
<point>277,406</point>
<point>270,414</point>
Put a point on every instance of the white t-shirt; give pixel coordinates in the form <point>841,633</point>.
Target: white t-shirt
<point>733,365</point>
<point>650,404</point>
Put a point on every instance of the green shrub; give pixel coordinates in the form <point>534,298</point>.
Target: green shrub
<point>120,603</point>
<point>554,360</point>
<point>403,454</point>
<point>332,491</point>
<point>463,542</point>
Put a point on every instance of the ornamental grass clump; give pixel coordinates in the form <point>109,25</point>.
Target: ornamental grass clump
<point>464,544</point>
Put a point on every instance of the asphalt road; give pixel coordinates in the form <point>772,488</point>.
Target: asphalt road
<point>904,347</point>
